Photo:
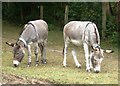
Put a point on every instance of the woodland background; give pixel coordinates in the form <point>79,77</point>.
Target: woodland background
<point>106,15</point>
<point>57,14</point>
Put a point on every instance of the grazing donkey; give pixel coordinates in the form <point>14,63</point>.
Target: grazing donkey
<point>34,32</point>
<point>86,33</point>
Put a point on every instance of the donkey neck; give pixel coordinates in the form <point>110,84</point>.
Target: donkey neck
<point>26,35</point>
<point>21,43</point>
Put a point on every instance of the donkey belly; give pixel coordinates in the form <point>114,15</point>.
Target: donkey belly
<point>76,42</point>
<point>75,38</point>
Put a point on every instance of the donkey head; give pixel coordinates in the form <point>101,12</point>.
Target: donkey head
<point>97,57</point>
<point>18,53</point>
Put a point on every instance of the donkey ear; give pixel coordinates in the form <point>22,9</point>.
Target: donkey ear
<point>10,44</point>
<point>108,51</point>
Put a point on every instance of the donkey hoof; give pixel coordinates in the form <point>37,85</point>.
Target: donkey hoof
<point>65,66</point>
<point>78,66</point>
<point>88,70</point>
<point>44,61</point>
<point>37,65</point>
<point>29,64</point>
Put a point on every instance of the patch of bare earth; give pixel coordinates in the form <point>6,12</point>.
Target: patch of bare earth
<point>13,79</point>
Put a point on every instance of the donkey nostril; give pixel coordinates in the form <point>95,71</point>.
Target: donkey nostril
<point>15,65</point>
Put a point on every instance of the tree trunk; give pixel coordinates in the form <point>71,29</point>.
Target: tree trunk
<point>41,11</point>
<point>104,11</point>
<point>8,4</point>
<point>118,13</point>
<point>118,21</point>
<point>66,14</point>
<point>107,8</point>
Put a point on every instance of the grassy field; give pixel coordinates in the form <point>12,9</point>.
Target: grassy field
<point>53,71</point>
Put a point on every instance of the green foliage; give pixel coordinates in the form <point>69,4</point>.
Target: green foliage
<point>53,13</point>
<point>9,13</point>
<point>87,11</point>
<point>12,11</point>
<point>111,29</point>
<point>53,27</point>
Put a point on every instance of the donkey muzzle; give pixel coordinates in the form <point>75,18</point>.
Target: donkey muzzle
<point>16,63</point>
<point>97,69</point>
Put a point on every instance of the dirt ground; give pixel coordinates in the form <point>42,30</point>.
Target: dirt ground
<point>12,79</point>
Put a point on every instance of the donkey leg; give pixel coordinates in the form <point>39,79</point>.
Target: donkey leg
<point>86,50</point>
<point>65,53</point>
<point>36,55</point>
<point>91,66</point>
<point>43,53</point>
<point>75,59</point>
<point>29,55</point>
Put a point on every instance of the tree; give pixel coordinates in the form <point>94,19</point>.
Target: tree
<point>83,11</point>
<point>41,11</point>
<point>104,11</point>
<point>66,14</point>
<point>118,13</point>
<point>118,20</point>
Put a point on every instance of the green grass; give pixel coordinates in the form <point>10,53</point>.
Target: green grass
<point>53,71</point>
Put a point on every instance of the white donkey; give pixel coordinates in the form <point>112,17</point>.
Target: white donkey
<point>34,32</point>
<point>86,33</point>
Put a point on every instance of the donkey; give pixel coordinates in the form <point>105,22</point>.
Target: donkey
<point>33,32</point>
<point>86,33</point>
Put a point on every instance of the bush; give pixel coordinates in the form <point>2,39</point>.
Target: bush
<point>111,28</point>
